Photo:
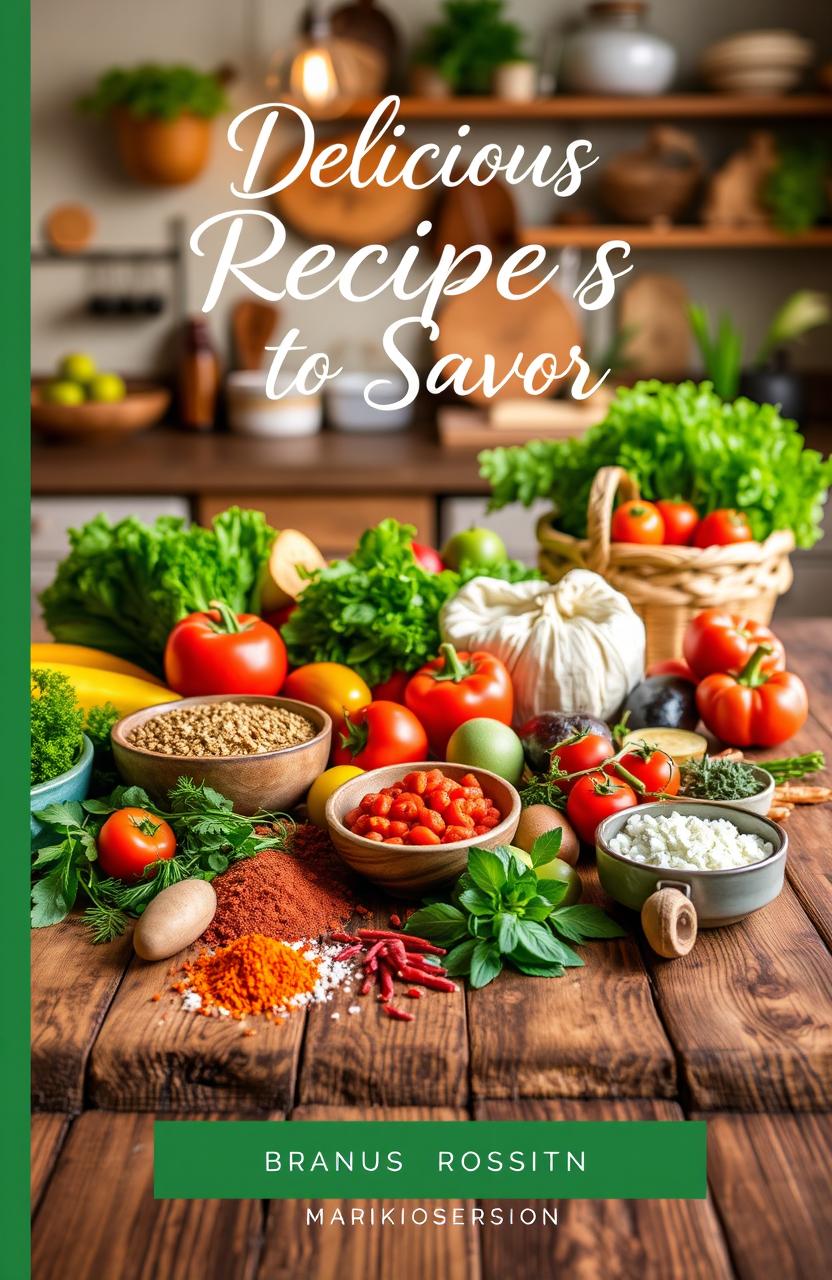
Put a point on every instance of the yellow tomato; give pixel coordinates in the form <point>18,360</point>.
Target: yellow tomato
<point>331,686</point>
<point>323,787</point>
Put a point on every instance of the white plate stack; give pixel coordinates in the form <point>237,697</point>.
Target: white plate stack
<point>765,62</point>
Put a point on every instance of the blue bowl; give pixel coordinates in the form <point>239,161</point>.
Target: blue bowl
<point>72,785</point>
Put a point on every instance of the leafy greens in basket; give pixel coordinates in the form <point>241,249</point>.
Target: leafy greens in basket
<point>676,441</point>
<point>122,587</point>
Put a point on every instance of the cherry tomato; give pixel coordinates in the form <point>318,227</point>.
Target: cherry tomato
<point>637,521</point>
<point>672,667</point>
<point>656,769</point>
<point>381,734</point>
<point>223,652</point>
<point>332,687</point>
<point>719,641</point>
<point>131,840</point>
<point>753,709</point>
<point>721,528</point>
<point>581,751</point>
<point>427,557</point>
<point>392,690</point>
<point>680,520</point>
<point>595,797</point>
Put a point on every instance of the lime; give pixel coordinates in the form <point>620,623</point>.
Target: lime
<point>108,387</point>
<point>487,744</point>
<point>556,869</point>
<point>78,367</point>
<point>62,392</point>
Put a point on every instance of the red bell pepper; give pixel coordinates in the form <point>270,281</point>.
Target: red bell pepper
<point>754,708</point>
<point>456,687</point>
<point>720,641</point>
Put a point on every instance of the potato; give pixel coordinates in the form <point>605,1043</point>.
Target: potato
<point>174,919</point>
<point>537,820</point>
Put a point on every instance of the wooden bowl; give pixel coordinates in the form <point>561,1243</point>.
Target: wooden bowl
<point>410,870</point>
<point>144,405</point>
<point>274,781</point>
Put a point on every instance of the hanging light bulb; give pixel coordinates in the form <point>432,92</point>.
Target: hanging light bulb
<point>323,72</point>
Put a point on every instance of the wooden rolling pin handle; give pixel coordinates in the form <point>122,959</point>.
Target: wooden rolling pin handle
<point>668,919</point>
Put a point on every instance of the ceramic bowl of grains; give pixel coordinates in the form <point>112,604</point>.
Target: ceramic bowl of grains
<point>262,753</point>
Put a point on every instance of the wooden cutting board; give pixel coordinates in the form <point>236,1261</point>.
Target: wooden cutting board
<point>469,214</point>
<point>483,322</point>
<point>654,312</point>
<point>252,324</point>
<point>350,215</point>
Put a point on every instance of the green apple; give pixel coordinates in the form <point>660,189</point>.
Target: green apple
<point>474,546</point>
<point>484,743</point>
<point>78,367</point>
<point>108,387</point>
<point>63,392</point>
<point>556,869</point>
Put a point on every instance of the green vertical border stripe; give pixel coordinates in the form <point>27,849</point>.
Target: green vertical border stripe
<point>14,635</point>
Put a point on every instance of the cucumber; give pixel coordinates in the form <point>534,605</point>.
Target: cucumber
<point>681,744</point>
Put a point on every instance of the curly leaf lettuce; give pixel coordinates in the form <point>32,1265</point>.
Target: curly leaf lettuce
<point>677,441</point>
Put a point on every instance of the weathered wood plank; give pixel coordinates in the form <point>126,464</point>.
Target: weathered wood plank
<point>367,1058</point>
<point>770,1177</point>
<point>98,1216</point>
<point>592,1033</point>
<point>152,1056</point>
<point>49,1129</point>
<point>807,650</point>
<point>294,1247</point>
<point>604,1239</point>
<point>749,1012</point>
<point>73,983</point>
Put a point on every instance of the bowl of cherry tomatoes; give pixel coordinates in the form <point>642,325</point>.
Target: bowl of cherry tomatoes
<point>408,828</point>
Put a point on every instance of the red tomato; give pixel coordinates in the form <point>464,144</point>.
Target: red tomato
<point>672,667</point>
<point>722,527</point>
<point>719,641</point>
<point>593,798</point>
<point>222,652</point>
<point>680,520</point>
<point>392,690</point>
<point>637,521</point>
<point>753,709</point>
<point>656,769</point>
<point>130,841</point>
<point>456,687</point>
<point>427,557</point>
<point>381,734</point>
<point>581,751</point>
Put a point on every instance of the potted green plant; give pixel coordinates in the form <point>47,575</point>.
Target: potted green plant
<point>768,379</point>
<point>464,49</point>
<point>163,119</point>
<point>62,754</point>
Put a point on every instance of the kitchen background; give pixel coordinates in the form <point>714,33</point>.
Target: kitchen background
<point>130,257</point>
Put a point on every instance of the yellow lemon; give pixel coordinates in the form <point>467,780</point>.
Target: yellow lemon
<point>323,787</point>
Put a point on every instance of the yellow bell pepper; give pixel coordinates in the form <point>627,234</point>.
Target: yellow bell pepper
<point>94,687</point>
<point>81,655</point>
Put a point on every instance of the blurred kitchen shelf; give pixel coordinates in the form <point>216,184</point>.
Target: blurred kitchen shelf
<point>677,237</point>
<point>677,106</point>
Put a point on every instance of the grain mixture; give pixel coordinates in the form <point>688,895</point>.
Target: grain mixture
<point>222,729</point>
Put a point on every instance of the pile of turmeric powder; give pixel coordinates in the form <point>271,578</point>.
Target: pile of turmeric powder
<point>251,975</point>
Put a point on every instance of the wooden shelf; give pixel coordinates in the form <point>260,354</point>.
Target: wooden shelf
<point>678,106</point>
<point>677,237</point>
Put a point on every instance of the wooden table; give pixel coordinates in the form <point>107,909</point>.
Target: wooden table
<point>739,1032</point>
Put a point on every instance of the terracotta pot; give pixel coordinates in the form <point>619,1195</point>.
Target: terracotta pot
<point>655,183</point>
<point>165,153</point>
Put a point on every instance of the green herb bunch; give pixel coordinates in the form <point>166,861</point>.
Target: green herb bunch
<point>712,778</point>
<point>57,725</point>
<point>470,41</point>
<point>124,586</point>
<point>378,611</point>
<point>155,92</point>
<point>676,441</point>
<point>209,837</point>
<point>501,913</point>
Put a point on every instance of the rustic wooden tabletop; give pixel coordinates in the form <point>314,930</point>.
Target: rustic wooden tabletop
<point>739,1032</point>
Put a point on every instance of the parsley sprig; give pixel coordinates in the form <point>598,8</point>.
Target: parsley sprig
<point>502,913</point>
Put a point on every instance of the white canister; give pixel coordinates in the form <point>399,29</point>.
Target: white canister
<point>613,53</point>
<point>516,81</point>
<point>252,413</point>
<point>348,410</point>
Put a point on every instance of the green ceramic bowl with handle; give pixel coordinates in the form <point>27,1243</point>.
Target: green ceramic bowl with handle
<point>74,784</point>
<point>720,897</point>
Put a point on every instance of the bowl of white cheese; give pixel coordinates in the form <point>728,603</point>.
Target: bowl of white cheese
<point>729,862</point>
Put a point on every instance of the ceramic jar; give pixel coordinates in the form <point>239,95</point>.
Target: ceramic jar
<point>614,53</point>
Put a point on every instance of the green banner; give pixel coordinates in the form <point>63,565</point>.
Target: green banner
<point>430,1160</point>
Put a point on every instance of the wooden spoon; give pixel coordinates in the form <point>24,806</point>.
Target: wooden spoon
<point>252,324</point>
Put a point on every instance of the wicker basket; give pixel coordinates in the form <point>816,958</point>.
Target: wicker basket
<point>668,585</point>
